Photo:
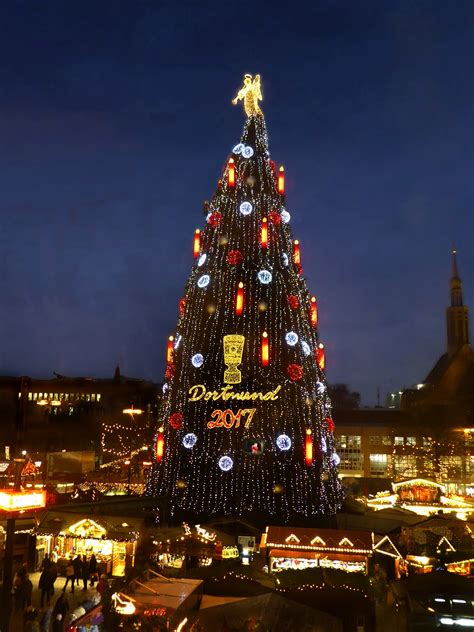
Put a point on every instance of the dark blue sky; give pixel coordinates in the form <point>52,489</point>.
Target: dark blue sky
<point>115,121</point>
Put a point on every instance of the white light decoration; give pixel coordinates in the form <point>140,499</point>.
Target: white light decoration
<point>247,152</point>
<point>197,360</point>
<point>336,459</point>
<point>283,442</point>
<point>165,388</point>
<point>265,277</point>
<point>291,338</point>
<point>202,260</point>
<point>203,280</point>
<point>286,261</point>
<point>238,148</point>
<point>177,341</point>
<point>189,440</point>
<point>208,216</point>
<point>320,388</point>
<point>285,216</point>
<point>246,208</point>
<point>226,463</point>
<point>305,348</point>
<point>324,446</point>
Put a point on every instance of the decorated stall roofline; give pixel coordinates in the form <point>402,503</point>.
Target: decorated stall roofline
<point>199,391</point>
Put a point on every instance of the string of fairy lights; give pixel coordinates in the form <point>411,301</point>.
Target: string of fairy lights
<point>247,281</point>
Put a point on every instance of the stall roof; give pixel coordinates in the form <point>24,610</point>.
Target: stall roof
<point>167,593</point>
<point>320,539</point>
<point>115,527</point>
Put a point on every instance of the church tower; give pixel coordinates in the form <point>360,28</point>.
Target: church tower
<point>457,314</point>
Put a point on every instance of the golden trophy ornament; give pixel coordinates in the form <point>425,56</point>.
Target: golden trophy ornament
<point>251,94</point>
<point>233,350</point>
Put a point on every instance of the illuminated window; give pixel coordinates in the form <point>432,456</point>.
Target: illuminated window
<point>98,397</point>
<point>30,396</point>
<point>451,466</point>
<point>399,441</point>
<point>410,441</point>
<point>346,442</point>
<point>404,465</point>
<point>378,464</point>
<point>386,440</point>
<point>374,440</point>
<point>93,397</point>
<point>427,441</point>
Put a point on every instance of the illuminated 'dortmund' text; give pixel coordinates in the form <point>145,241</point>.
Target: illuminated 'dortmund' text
<point>199,391</point>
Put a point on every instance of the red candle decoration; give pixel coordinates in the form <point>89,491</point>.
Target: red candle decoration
<point>169,350</point>
<point>309,448</point>
<point>160,445</point>
<point>176,420</point>
<point>197,242</point>
<point>231,173</point>
<point>265,349</point>
<point>296,252</point>
<point>281,181</point>
<point>239,299</point>
<point>264,237</point>
<point>320,356</point>
<point>314,311</point>
<point>234,257</point>
<point>293,301</point>
<point>295,372</point>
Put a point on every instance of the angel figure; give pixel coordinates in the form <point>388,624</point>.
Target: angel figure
<point>251,93</point>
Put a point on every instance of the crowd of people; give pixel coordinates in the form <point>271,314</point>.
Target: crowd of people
<point>48,617</point>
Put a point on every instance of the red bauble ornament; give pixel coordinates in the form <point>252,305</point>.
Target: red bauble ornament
<point>176,420</point>
<point>330,423</point>
<point>295,372</point>
<point>293,301</point>
<point>299,268</point>
<point>182,306</point>
<point>274,217</point>
<point>169,373</point>
<point>272,166</point>
<point>234,257</point>
<point>214,219</point>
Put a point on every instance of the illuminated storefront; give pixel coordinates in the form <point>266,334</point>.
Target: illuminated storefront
<point>298,549</point>
<point>113,540</point>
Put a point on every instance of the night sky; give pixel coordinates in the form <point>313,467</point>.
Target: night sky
<point>115,123</point>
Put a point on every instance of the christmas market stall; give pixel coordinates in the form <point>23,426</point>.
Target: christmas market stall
<point>112,539</point>
<point>301,548</point>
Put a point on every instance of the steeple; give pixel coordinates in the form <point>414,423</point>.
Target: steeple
<point>457,315</point>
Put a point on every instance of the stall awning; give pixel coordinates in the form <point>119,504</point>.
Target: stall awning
<point>72,525</point>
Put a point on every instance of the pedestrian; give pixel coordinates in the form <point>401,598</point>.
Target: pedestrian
<point>44,586</point>
<point>77,563</point>
<point>69,575</point>
<point>53,575</point>
<point>102,585</point>
<point>93,569</point>
<point>31,620</point>
<point>85,571</point>
<point>60,611</point>
<point>26,591</point>
<point>45,618</point>
<point>46,563</point>
<point>55,555</point>
<point>17,593</point>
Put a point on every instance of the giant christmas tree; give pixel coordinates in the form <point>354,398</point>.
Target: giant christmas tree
<point>245,426</point>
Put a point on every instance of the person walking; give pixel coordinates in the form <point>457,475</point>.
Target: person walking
<point>44,586</point>
<point>93,569</point>
<point>26,591</point>
<point>85,570</point>
<point>53,575</point>
<point>46,563</point>
<point>77,563</point>
<point>60,612</point>
<point>102,585</point>
<point>69,575</point>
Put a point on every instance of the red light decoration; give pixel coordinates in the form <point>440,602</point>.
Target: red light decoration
<point>182,306</point>
<point>214,219</point>
<point>239,299</point>
<point>314,311</point>
<point>274,217</point>
<point>265,349</point>
<point>176,420</point>
<point>308,452</point>
<point>197,242</point>
<point>296,252</point>
<point>321,356</point>
<point>169,350</point>
<point>295,372</point>
<point>160,445</point>
<point>330,423</point>
<point>264,237</point>
<point>293,301</point>
<point>231,173</point>
<point>234,257</point>
<point>281,181</point>
<point>170,371</point>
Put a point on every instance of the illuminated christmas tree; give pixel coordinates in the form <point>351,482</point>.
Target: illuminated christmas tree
<point>246,425</point>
